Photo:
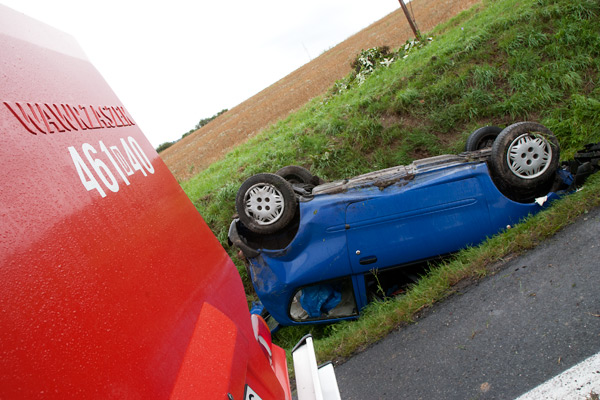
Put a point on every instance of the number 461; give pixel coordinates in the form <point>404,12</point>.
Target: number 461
<point>138,161</point>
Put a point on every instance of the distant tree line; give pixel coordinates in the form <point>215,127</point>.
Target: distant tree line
<point>199,125</point>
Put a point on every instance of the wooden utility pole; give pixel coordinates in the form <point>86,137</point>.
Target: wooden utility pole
<point>411,22</point>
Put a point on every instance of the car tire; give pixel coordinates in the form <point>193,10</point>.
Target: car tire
<point>266,203</point>
<point>524,160</point>
<point>296,174</point>
<point>482,138</point>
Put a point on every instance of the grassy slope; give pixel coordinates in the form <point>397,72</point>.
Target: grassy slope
<point>501,62</point>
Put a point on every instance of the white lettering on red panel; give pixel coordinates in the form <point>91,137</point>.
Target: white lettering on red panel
<point>102,168</point>
<point>125,160</point>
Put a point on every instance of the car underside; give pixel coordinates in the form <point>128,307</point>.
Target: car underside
<point>318,265</point>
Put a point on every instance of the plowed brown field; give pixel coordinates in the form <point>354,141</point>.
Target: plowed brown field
<point>210,143</point>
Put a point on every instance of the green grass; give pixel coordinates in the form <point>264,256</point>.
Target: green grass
<point>501,62</point>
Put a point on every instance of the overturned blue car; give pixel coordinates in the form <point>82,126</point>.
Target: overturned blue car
<point>314,249</point>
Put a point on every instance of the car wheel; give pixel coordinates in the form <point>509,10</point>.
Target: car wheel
<point>482,138</point>
<point>266,203</point>
<point>524,160</point>
<point>296,174</point>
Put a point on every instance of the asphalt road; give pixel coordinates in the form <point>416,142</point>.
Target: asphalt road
<point>499,338</point>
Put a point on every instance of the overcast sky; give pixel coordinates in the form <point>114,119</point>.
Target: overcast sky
<point>199,57</point>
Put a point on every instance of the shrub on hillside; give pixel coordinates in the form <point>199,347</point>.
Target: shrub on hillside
<point>367,61</point>
<point>205,121</point>
<point>164,146</point>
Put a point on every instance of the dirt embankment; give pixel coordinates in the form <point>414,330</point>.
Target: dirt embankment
<point>210,143</point>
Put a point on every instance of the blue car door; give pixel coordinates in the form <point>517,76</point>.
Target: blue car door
<point>434,214</point>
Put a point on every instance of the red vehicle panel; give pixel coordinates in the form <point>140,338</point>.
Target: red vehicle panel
<point>112,285</point>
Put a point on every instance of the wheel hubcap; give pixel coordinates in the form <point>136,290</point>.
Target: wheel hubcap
<point>529,156</point>
<point>264,203</point>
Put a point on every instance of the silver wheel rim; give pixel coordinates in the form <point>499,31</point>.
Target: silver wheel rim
<point>264,203</point>
<point>529,156</point>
